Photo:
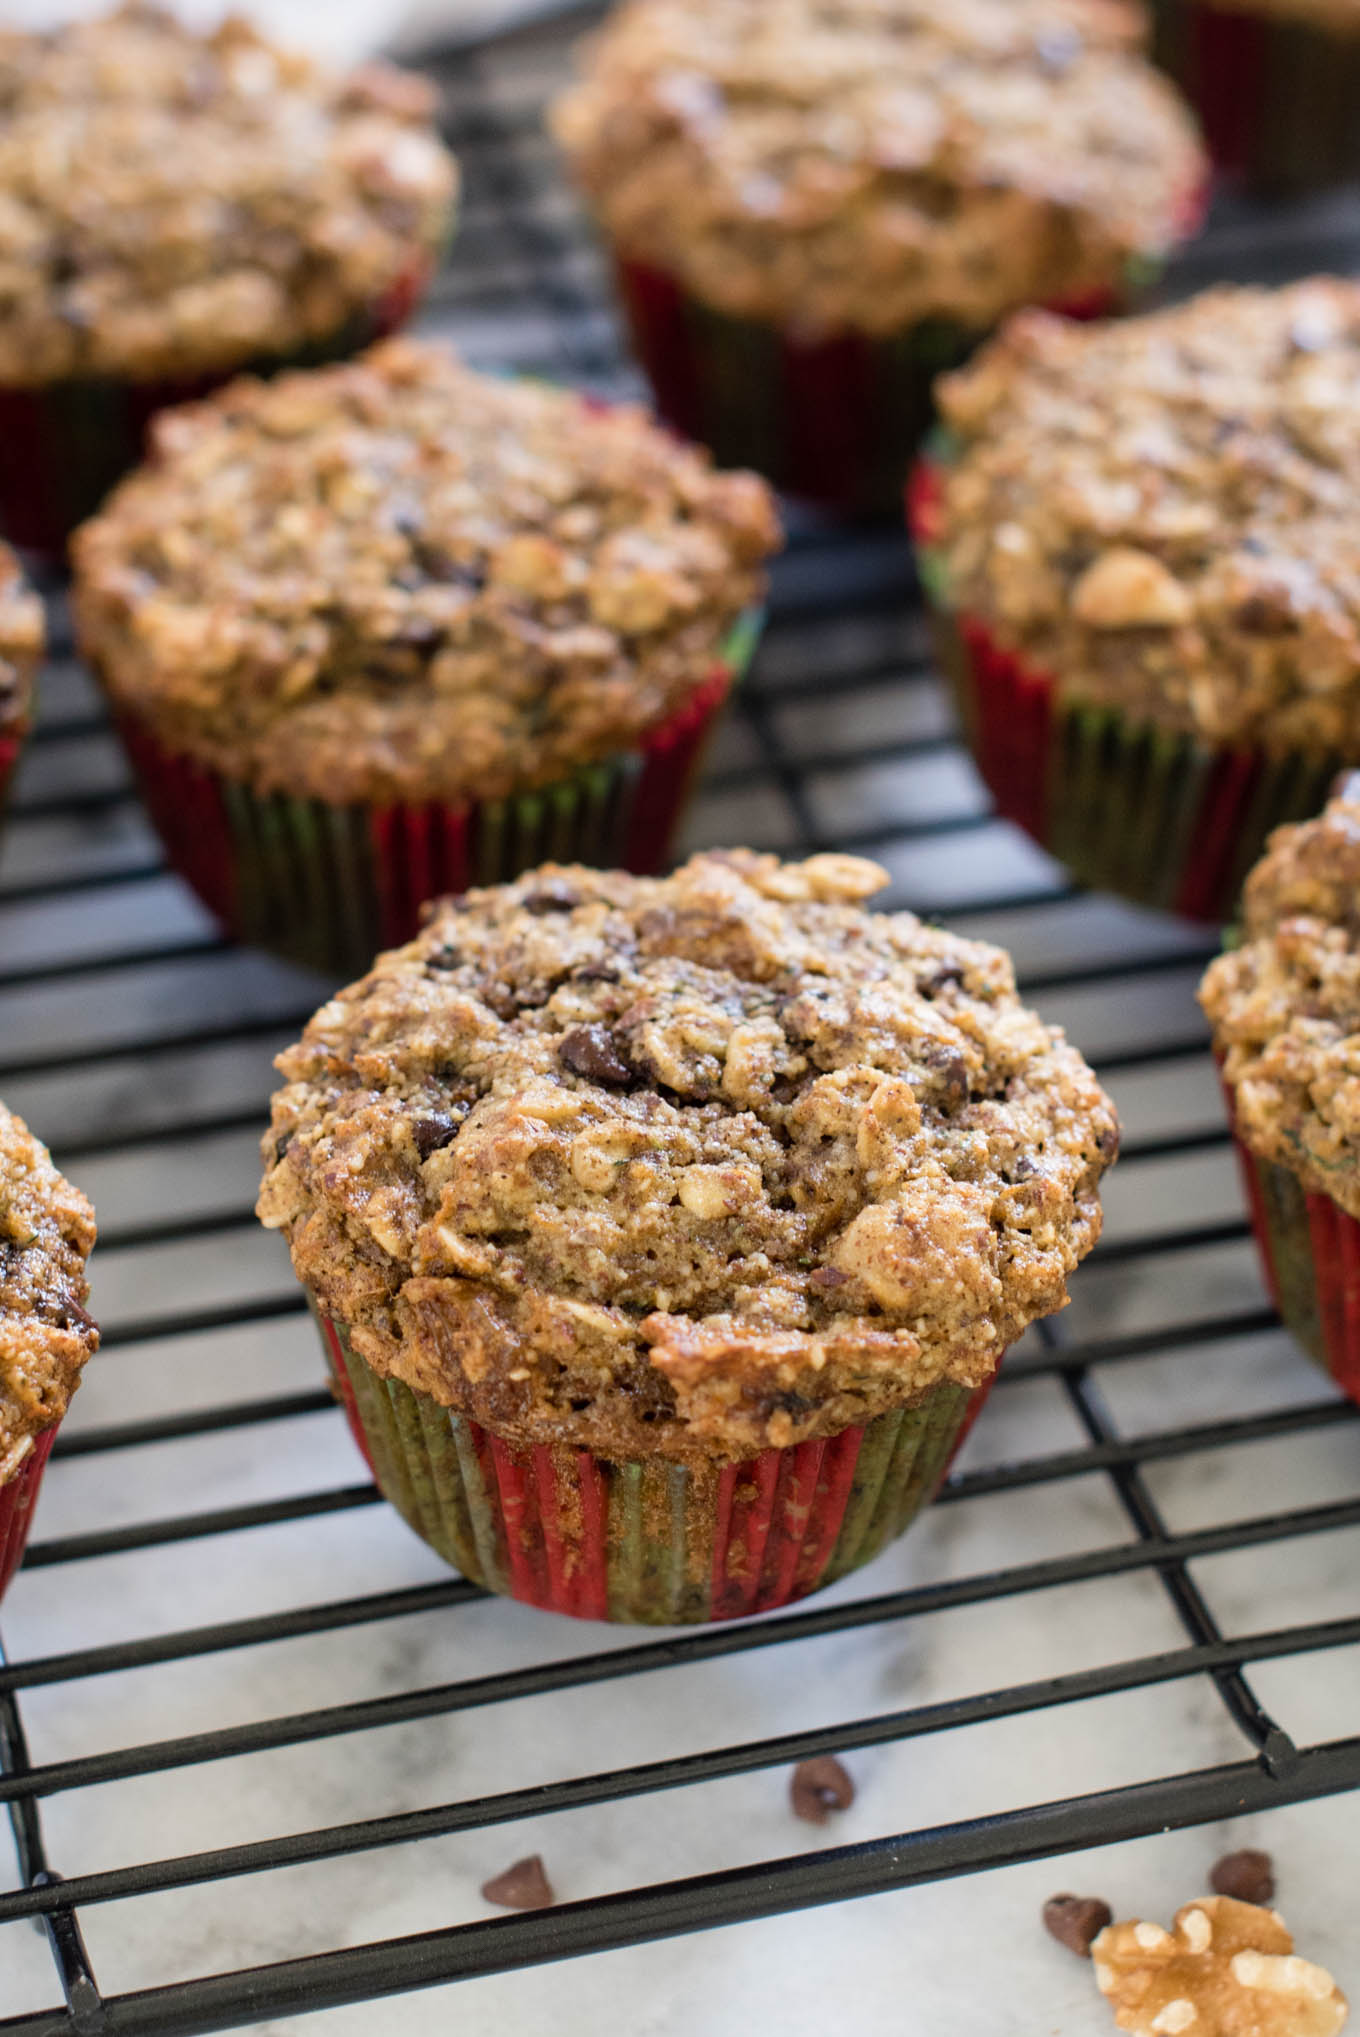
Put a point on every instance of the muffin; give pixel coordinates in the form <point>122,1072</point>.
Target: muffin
<point>21,648</point>
<point>1275,83</point>
<point>46,1334</point>
<point>384,630</point>
<point>176,207</point>
<point>666,1234</point>
<point>1140,541</point>
<point>814,207</point>
<point>1284,1005</point>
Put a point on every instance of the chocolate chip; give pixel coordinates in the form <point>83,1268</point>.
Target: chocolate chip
<point>819,1787</point>
<point>1076,1921</point>
<point>595,972</point>
<point>828,1276</point>
<point>522,1887</point>
<point>950,1072</point>
<point>443,959</point>
<point>433,1133</point>
<point>280,1150</point>
<point>592,1051</point>
<point>946,977</point>
<point>1247,1876</point>
<point>554,894</point>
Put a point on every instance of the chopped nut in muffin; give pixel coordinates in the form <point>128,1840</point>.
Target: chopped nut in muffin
<point>1161,513</point>
<point>1285,1005</point>
<point>400,580</point>
<point>872,163</point>
<point>21,643</point>
<point>46,1333</point>
<point>1225,1969</point>
<point>691,1166</point>
<point>173,203</point>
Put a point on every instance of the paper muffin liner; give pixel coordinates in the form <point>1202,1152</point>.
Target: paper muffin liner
<point>329,885</point>
<point>18,1498</point>
<point>1158,816</point>
<point>1278,98</point>
<point>648,1541</point>
<point>834,419</point>
<point>64,444</point>
<point>1310,1258</point>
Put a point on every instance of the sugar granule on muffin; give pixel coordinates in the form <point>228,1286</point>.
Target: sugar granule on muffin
<point>1160,514</point>
<point>691,1166</point>
<point>172,202</point>
<point>401,580</point>
<point>872,163</point>
<point>46,1332</point>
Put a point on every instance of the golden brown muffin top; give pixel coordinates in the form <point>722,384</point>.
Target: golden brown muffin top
<point>1164,513</point>
<point>174,203</point>
<point>46,1236</point>
<point>870,163</point>
<point>691,1166</point>
<point>398,579</point>
<point>22,637</point>
<point>1285,1004</point>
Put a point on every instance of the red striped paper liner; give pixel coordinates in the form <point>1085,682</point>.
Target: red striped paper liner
<point>566,1531</point>
<point>18,1498</point>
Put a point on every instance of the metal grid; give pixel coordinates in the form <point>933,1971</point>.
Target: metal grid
<point>108,976</point>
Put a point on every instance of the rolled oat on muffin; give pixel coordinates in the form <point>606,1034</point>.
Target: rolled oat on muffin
<point>22,638</point>
<point>176,206</point>
<point>46,1333</point>
<point>1140,539</point>
<point>814,205</point>
<point>399,627</point>
<point>1284,1005</point>
<point>654,1221</point>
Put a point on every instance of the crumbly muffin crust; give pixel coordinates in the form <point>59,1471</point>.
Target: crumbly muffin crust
<point>46,1334</point>
<point>688,1166</point>
<point>21,643</point>
<point>1285,1004</point>
<point>398,579</point>
<point>174,203</point>
<point>1162,513</point>
<point>870,163</point>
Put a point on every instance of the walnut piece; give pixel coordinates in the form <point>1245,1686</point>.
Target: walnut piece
<point>1225,1969</point>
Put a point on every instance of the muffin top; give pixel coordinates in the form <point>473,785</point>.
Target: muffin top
<point>174,203</point>
<point>21,642</point>
<point>868,163</point>
<point>689,1166</point>
<point>1285,1004</point>
<point>398,579</point>
<point>1164,512</point>
<point>46,1235</point>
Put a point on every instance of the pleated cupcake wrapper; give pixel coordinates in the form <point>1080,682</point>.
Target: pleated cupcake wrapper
<point>648,1541</point>
<point>18,1498</point>
<point>835,419</point>
<point>1155,815</point>
<point>329,885</point>
<point>1310,1257</point>
<point>1278,98</point>
<point>64,445</point>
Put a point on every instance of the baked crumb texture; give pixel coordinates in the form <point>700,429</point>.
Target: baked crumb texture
<point>691,1166</point>
<point>174,203</point>
<point>400,580</point>
<point>1161,513</point>
<point>1285,1005</point>
<point>867,164</point>
<point>1224,1969</point>
<point>21,644</point>
<point>46,1334</point>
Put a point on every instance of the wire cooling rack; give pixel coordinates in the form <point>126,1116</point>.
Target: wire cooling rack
<point>223,1661</point>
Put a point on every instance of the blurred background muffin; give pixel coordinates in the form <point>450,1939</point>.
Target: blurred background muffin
<point>22,637</point>
<point>1275,83</point>
<point>813,208</point>
<point>1142,543</point>
<point>175,207</point>
<point>378,631</point>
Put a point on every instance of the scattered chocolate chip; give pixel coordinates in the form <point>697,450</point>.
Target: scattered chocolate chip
<point>433,1133</point>
<point>554,894</point>
<point>280,1150</point>
<point>442,959</point>
<point>1247,1876</point>
<point>522,1887</point>
<point>592,1051</point>
<point>950,1073</point>
<point>1076,1921</point>
<point>819,1787</point>
<point>946,977</point>
<point>595,972</point>
<point>827,1276</point>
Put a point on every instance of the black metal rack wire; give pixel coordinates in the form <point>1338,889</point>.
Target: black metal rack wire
<point>842,740</point>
